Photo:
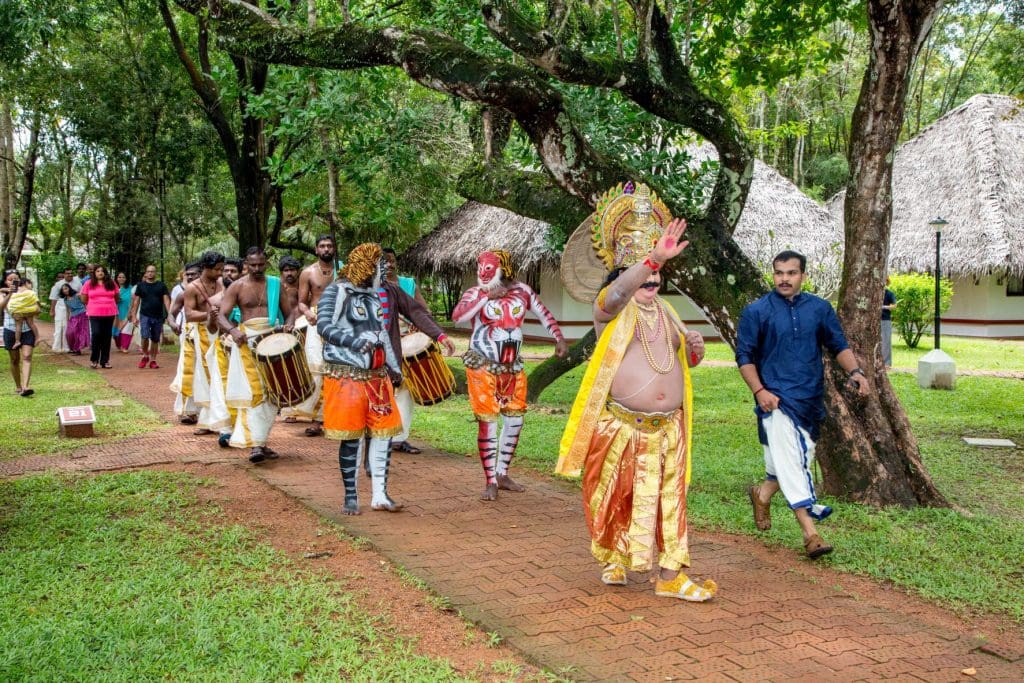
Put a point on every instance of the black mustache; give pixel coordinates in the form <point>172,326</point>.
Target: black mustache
<point>650,285</point>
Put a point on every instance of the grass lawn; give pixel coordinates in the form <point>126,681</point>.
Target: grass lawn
<point>968,558</point>
<point>30,426</point>
<point>122,577</point>
<point>968,353</point>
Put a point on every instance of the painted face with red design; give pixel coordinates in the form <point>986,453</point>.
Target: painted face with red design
<point>488,271</point>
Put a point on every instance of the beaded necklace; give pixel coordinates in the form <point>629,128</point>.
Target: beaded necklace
<point>645,344</point>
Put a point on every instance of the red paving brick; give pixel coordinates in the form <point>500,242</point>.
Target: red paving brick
<point>521,568</point>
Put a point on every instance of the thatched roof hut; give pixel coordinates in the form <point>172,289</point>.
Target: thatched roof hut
<point>452,247</point>
<point>777,216</point>
<point>967,167</point>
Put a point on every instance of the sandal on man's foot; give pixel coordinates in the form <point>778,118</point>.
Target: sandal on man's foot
<point>202,431</point>
<point>613,575</point>
<point>189,419</point>
<point>762,511</point>
<point>405,447</point>
<point>257,456</point>
<point>224,440</point>
<point>144,362</point>
<point>291,419</point>
<point>816,547</point>
<point>681,587</point>
<point>25,393</point>
<point>270,453</point>
<point>315,430</point>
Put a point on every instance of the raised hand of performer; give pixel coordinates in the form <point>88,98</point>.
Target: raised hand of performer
<point>497,292</point>
<point>671,243</point>
<point>561,348</point>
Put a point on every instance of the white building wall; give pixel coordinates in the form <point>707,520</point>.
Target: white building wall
<point>983,310</point>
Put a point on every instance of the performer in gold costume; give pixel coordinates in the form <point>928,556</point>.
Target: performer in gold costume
<point>629,429</point>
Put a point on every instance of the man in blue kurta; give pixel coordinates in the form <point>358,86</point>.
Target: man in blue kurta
<point>778,351</point>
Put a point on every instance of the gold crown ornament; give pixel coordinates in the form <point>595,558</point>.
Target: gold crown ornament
<point>627,223</point>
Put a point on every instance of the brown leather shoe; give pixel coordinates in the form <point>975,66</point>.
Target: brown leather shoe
<point>816,547</point>
<point>762,511</point>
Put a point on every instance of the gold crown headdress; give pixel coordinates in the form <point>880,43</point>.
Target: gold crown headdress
<point>625,226</point>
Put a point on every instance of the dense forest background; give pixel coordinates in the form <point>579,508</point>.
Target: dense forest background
<point>125,129</point>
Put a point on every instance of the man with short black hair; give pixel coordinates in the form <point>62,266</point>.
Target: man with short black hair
<point>193,378</point>
<point>150,303</point>
<point>262,307</point>
<point>778,351</point>
<point>232,270</point>
<point>313,280</point>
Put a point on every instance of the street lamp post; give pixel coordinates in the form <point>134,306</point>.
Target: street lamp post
<point>936,369</point>
<point>937,223</point>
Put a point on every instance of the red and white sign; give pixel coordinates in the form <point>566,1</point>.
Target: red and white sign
<point>76,415</point>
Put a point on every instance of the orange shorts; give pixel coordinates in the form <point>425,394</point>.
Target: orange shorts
<point>491,395</point>
<point>348,413</point>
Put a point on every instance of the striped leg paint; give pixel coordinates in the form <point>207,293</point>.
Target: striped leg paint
<point>378,455</point>
<point>348,460</point>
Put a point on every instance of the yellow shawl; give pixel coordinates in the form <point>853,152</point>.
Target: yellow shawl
<point>597,382</point>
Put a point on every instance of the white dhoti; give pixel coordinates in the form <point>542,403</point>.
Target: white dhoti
<point>218,416</point>
<point>403,397</point>
<point>60,327</point>
<point>788,457</point>
<point>313,407</point>
<point>245,393</point>
<point>182,385</point>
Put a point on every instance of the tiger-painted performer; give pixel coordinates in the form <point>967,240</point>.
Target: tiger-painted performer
<point>198,336</point>
<point>357,317</point>
<point>261,307</point>
<point>497,307</point>
<point>629,428</point>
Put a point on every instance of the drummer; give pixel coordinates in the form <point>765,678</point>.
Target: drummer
<point>358,320</point>
<point>289,267</point>
<point>312,282</point>
<point>403,397</point>
<point>262,307</point>
<point>193,375</point>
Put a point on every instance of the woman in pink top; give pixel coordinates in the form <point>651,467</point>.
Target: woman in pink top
<point>100,297</point>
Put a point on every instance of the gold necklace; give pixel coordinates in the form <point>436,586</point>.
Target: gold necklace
<point>645,344</point>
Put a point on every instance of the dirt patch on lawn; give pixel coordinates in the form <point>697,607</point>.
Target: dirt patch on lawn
<point>312,541</point>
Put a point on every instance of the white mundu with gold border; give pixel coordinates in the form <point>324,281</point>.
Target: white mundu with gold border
<point>313,407</point>
<point>245,390</point>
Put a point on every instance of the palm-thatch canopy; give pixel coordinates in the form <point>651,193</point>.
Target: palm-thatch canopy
<point>777,216</point>
<point>968,168</point>
<point>452,247</point>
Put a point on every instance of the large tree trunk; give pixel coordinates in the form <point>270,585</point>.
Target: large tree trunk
<point>868,452</point>
<point>8,174</point>
<point>245,153</point>
<point>15,241</point>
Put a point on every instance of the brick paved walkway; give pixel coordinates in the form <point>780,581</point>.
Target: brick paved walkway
<point>521,567</point>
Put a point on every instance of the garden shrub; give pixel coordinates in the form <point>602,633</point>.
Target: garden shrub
<point>915,304</point>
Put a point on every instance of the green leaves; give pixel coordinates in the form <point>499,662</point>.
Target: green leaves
<point>915,304</point>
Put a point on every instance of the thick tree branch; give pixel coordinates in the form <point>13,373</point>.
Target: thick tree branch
<point>439,63</point>
<point>526,193</point>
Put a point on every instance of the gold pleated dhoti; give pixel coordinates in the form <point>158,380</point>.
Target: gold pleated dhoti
<point>634,488</point>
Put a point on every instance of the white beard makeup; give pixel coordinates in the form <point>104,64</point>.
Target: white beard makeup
<point>494,283</point>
